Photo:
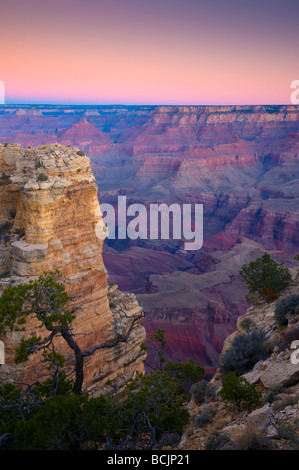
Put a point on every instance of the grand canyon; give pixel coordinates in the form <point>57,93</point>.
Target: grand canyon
<point>240,162</point>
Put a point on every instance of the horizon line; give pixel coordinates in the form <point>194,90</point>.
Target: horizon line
<point>147,104</point>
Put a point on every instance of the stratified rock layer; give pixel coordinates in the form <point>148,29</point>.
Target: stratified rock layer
<point>51,219</point>
<point>240,162</point>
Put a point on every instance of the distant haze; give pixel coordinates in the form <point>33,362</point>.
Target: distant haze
<point>149,52</point>
<point>2,93</point>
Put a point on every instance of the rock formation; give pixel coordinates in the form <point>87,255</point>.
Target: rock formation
<point>273,422</point>
<point>240,162</point>
<point>51,219</point>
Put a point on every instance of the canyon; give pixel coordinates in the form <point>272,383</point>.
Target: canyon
<point>240,162</point>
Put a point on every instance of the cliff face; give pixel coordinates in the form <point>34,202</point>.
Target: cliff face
<point>51,219</point>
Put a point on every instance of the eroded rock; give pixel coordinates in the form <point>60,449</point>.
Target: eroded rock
<point>52,220</point>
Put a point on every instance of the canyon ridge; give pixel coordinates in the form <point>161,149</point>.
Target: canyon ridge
<point>240,162</point>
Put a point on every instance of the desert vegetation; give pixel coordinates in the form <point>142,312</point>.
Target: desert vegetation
<point>54,412</point>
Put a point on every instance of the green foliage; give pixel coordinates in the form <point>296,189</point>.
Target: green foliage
<point>11,306</point>
<point>160,338</point>
<point>288,432</point>
<point>265,277</point>
<point>48,415</point>
<point>23,350</point>
<point>17,405</point>
<point>185,373</point>
<point>5,274</point>
<point>56,384</point>
<point>10,394</point>
<point>239,391</point>
<point>289,305</point>
<point>271,395</point>
<point>205,417</point>
<point>46,298</point>
<point>155,398</point>
<point>64,422</point>
<point>5,227</point>
<point>80,153</point>
<point>245,352</point>
<point>217,441</point>
<point>247,324</point>
<point>42,177</point>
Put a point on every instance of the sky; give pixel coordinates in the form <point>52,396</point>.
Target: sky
<point>152,52</point>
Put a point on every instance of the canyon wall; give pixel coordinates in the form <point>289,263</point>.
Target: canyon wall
<point>240,162</point>
<point>51,220</point>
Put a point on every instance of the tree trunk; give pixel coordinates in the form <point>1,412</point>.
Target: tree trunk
<point>79,361</point>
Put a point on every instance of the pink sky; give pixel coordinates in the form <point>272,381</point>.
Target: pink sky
<point>149,52</point>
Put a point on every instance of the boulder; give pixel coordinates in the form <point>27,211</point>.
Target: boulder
<point>261,418</point>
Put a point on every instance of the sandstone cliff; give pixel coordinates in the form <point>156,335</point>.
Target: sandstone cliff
<point>50,219</point>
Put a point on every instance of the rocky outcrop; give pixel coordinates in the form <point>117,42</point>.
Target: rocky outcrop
<point>51,219</point>
<point>273,423</point>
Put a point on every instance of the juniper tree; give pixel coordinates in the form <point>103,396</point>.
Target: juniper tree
<point>265,277</point>
<point>47,300</point>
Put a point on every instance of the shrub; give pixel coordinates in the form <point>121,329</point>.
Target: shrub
<point>252,439</point>
<point>201,391</point>
<point>280,405</point>
<point>284,307</point>
<point>287,337</point>
<point>155,398</point>
<point>245,352</point>
<point>169,439</point>
<point>80,153</point>
<point>205,417</point>
<point>286,431</point>
<point>4,275</point>
<point>42,177</point>
<point>185,374</point>
<point>5,227</point>
<point>265,277</point>
<point>271,395</point>
<point>239,391</point>
<point>247,324</point>
<point>217,441</point>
